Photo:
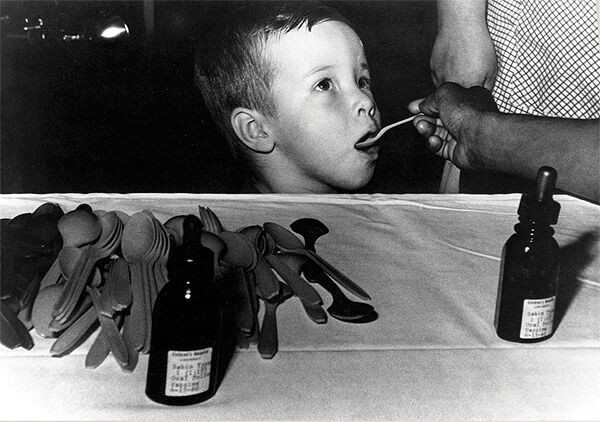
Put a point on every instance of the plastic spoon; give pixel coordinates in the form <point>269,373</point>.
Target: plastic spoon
<point>41,314</point>
<point>341,308</point>
<point>106,244</point>
<point>116,295</point>
<point>129,338</point>
<point>48,208</point>
<point>100,348</point>
<point>77,228</point>
<point>82,306</point>
<point>13,332</point>
<point>265,279</point>
<point>298,285</point>
<point>314,312</point>
<point>149,267</point>
<point>174,227</point>
<point>210,220</point>
<point>367,143</point>
<point>67,260</point>
<point>287,241</point>
<point>268,343</point>
<point>75,334</point>
<point>214,243</point>
<point>138,238</point>
<point>240,256</point>
<point>109,329</point>
<point>44,223</point>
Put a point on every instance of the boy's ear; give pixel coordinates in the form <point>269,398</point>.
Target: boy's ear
<point>249,125</point>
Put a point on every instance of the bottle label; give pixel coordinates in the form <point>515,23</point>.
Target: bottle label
<point>188,372</point>
<point>538,317</point>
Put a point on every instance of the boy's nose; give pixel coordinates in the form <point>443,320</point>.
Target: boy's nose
<point>365,105</point>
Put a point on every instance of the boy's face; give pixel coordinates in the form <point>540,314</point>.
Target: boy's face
<point>324,107</point>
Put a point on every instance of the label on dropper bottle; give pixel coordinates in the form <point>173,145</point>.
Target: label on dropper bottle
<point>188,372</point>
<point>538,318</point>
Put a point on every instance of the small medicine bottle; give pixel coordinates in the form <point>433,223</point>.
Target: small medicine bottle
<point>186,326</point>
<point>528,282</point>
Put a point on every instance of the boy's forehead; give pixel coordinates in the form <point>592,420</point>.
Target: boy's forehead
<point>327,41</point>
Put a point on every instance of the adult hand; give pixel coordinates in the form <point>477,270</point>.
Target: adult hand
<point>451,122</point>
<point>464,54</point>
<point>463,51</point>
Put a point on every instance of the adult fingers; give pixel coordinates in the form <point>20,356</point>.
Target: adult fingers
<point>434,144</point>
<point>426,126</point>
<point>429,106</point>
<point>426,106</point>
<point>413,106</point>
<point>441,148</point>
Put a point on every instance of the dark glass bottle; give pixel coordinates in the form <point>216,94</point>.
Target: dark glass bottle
<point>529,271</point>
<point>186,326</point>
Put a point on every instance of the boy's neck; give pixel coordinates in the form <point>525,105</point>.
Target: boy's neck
<point>275,185</point>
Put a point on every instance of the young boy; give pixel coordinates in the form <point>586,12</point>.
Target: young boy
<point>289,87</point>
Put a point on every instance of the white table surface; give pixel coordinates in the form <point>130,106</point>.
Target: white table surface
<point>430,263</point>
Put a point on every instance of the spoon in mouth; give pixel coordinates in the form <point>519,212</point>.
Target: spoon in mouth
<point>369,142</point>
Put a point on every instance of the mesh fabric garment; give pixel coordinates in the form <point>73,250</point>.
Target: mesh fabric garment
<point>548,57</point>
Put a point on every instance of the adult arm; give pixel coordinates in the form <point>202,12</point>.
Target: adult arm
<point>463,51</point>
<point>465,126</point>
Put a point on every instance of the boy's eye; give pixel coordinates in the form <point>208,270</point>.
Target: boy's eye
<point>364,83</point>
<point>324,85</point>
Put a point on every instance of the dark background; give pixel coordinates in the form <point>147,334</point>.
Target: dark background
<point>125,117</point>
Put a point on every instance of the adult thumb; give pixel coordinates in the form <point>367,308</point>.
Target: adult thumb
<point>429,106</point>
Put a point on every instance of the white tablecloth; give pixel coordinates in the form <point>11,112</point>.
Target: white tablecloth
<point>430,263</point>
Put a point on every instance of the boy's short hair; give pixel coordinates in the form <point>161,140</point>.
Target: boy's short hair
<point>232,70</point>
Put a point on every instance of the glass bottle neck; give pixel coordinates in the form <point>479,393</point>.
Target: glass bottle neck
<point>195,272</point>
<point>531,226</point>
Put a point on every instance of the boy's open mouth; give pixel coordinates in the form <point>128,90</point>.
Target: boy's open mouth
<point>366,141</point>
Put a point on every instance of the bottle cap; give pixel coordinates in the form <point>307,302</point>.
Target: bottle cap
<point>192,233</point>
<point>191,250</point>
<point>539,205</point>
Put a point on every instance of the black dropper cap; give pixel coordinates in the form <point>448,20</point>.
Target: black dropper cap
<point>191,250</point>
<point>539,205</point>
<point>192,233</point>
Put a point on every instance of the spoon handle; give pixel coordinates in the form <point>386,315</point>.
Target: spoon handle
<point>137,315</point>
<point>80,280</point>
<point>299,285</point>
<point>109,329</point>
<point>147,304</point>
<point>336,274</point>
<point>52,275</point>
<point>63,305</point>
<point>315,313</point>
<point>388,127</point>
<point>73,335</point>
<point>245,311</point>
<point>58,326</point>
<point>98,352</point>
<point>267,341</point>
<point>121,286</point>
<point>129,340</point>
<point>315,274</point>
<point>265,279</point>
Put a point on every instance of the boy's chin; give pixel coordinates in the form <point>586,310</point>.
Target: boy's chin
<point>356,182</point>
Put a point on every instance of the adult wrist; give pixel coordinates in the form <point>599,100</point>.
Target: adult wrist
<point>481,130</point>
<point>460,16</point>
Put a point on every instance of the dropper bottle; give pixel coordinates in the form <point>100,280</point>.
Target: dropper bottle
<point>186,326</point>
<point>528,282</point>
